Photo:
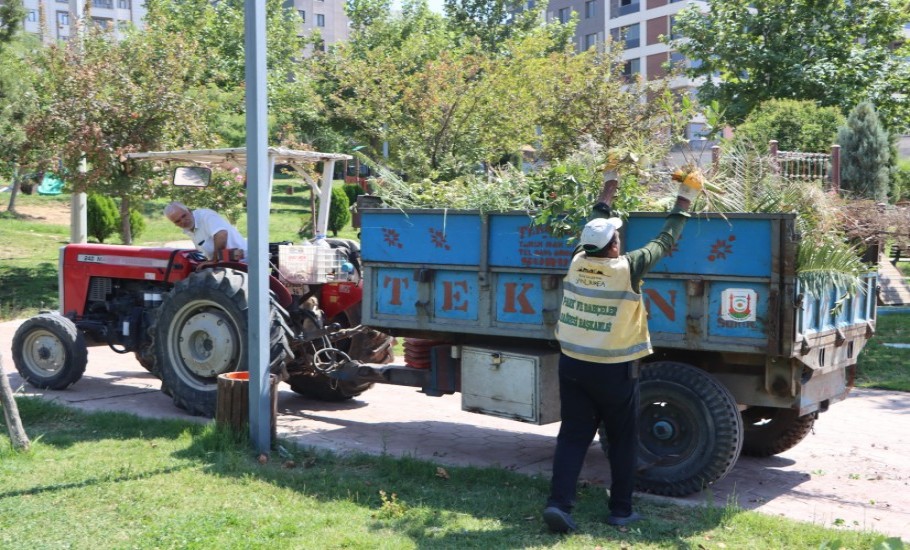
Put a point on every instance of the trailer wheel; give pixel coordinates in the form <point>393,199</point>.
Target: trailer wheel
<point>370,346</point>
<point>50,352</point>
<point>769,431</point>
<point>690,430</point>
<point>201,331</point>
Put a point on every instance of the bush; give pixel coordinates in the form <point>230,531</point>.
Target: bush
<point>865,154</point>
<point>101,216</point>
<point>796,125</point>
<point>339,211</point>
<point>352,190</point>
<point>900,181</point>
<point>137,223</point>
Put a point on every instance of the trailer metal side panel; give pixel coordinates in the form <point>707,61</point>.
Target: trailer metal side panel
<point>727,286</point>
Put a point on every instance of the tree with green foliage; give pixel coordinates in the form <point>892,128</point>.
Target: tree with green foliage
<point>491,22</point>
<point>447,107</point>
<point>217,29</point>
<point>101,99</point>
<point>12,13</point>
<point>834,52</point>
<point>17,104</point>
<point>865,154</point>
<point>796,125</point>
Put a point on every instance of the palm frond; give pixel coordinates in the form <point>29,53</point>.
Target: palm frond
<point>821,265</point>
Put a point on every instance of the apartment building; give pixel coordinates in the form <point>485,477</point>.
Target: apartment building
<point>325,15</point>
<point>60,14</point>
<point>639,27</point>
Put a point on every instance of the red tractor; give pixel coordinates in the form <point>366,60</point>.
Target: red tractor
<point>188,325</point>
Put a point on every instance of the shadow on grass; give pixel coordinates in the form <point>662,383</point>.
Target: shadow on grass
<point>419,499</point>
<point>27,288</point>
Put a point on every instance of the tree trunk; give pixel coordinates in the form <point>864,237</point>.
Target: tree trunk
<point>233,402</point>
<point>126,234</point>
<point>17,433</point>
<point>14,191</point>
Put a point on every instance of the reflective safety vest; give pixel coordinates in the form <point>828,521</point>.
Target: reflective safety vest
<point>602,319</point>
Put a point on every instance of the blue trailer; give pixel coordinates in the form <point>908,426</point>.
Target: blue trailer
<point>744,359</point>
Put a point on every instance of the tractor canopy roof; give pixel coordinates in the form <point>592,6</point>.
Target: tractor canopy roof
<point>236,156</point>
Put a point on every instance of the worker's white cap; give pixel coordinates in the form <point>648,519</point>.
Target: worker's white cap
<point>598,233</point>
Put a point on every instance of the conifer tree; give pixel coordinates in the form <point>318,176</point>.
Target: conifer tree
<point>865,154</point>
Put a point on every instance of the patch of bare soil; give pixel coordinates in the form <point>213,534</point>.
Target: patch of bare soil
<point>58,214</point>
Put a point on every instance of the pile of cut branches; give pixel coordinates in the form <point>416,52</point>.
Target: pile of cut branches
<point>834,232</point>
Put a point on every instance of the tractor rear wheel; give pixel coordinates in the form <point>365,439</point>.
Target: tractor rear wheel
<point>201,331</point>
<point>369,346</point>
<point>50,352</point>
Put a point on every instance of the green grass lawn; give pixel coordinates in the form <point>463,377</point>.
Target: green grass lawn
<point>111,480</point>
<point>881,366</point>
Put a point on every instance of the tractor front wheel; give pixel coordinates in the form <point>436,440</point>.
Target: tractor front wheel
<point>50,352</point>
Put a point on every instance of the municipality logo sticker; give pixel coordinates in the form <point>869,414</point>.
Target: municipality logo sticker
<point>738,304</point>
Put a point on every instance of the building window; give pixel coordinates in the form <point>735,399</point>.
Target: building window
<point>590,41</point>
<point>590,9</point>
<point>63,1</point>
<point>674,34</point>
<point>564,15</point>
<point>302,15</point>
<point>677,59</point>
<point>320,20</point>
<point>531,4</point>
<point>32,16</point>
<point>631,67</point>
<point>63,18</point>
<point>625,7</point>
<point>103,23</point>
<point>107,4</point>
<point>123,4</point>
<point>631,34</point>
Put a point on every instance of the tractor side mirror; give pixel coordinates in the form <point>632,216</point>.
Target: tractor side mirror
<point>192,176</point>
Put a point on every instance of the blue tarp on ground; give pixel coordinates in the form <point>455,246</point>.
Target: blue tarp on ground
<point>50,185</point>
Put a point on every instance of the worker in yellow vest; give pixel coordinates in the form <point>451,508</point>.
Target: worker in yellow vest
<point>602,332</point>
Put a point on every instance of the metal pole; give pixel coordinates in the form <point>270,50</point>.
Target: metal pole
<point>258,178</point>
<point>79,212</point>
<point>325,189</point>
<point>772,150</point>
<point>835,168</point>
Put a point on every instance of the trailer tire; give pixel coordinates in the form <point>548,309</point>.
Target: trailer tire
<point>201,331</point>
<point>769,431</point>
<point>691,432</point>
<point>49,352</point>
<point>369,346</point>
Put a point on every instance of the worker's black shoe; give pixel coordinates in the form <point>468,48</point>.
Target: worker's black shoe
<point>558,521</point>
<point>623,521</point>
